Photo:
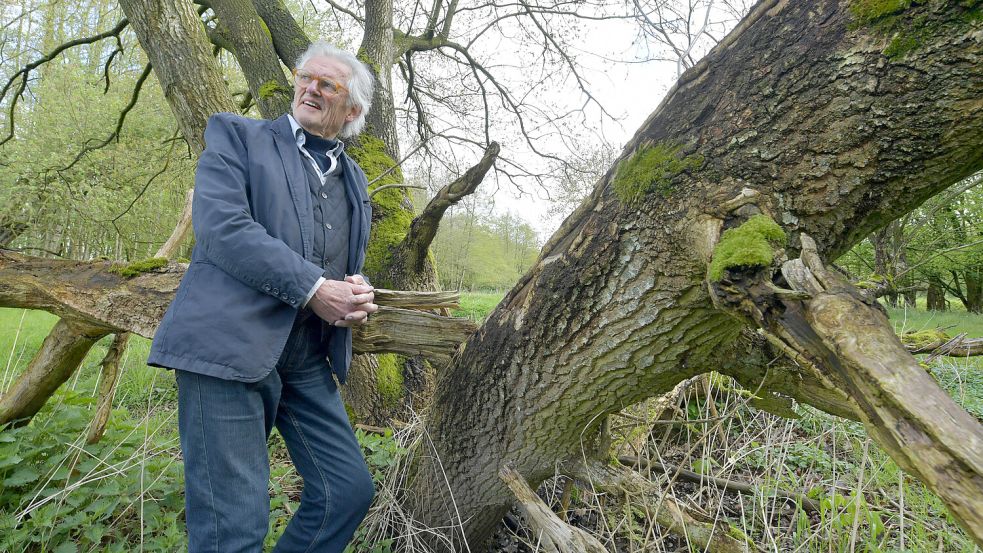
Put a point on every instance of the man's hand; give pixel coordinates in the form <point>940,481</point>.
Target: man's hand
<point>344,303</point>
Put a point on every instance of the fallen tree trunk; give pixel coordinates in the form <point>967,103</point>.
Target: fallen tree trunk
<point>95,294</point>
<point>938,343</point>
<point>851,345</point>
<point>806,114</point>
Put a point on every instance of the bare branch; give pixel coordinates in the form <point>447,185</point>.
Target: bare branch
<point>423,229</point>
<point>396,185</point>
<point>119,121</point>
<point>25,71</point>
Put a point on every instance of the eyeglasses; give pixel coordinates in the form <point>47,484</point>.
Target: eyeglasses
<point>324,84</point>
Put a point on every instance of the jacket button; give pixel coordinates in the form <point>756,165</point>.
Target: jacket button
<point>276,291</point>
<point>327,226</point>
<point>267,287</point>
<point>324,195</point>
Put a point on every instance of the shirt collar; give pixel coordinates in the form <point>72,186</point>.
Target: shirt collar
<point>301,139</point>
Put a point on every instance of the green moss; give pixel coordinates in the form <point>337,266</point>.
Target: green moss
<point>908,30</point>
<point>271,88</point>
<point>651,167</point>
<point>138,267</point>
<point>900,45</point>
<point>352,416</point>
<point>389,378</point>
<point>749,245</point>
<point>868,11</point>
<point>738,534</point>
<point>364,58</point>
<point>392,213</point>
<point>924,338</point>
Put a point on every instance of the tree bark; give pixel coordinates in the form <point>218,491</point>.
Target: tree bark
<point>935,297</point>
<point>378,51</point>
<point>253,49</point>
<point>172,36</point>
<point>289,38</point>
<point>794,115</point>
<point>107,387</point>
<point>60,355</point>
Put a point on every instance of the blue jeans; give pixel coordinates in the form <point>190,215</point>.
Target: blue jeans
<point>224,426</point>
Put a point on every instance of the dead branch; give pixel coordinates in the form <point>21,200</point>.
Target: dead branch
<point>181,229</point>
<point>850,345</point>
<point>410,299</point>
<point>552,534</point>
<point>423,229</point>
<point>626,485</point>
<point>60,355</point>
<point>941,344</point>
<point>807,503</point>
<point>107,387</point>
<point>409,332</point>
<point>90,294</point>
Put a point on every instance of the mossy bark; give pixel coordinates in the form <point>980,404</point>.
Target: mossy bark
<point>252,46</point>
<point>797,120</point>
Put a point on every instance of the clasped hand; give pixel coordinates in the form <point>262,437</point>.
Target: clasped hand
<point>344,303</point>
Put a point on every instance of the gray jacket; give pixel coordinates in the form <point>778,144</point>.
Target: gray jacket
<point>250,270</point>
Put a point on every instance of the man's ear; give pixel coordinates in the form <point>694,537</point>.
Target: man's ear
<point>353,114</point>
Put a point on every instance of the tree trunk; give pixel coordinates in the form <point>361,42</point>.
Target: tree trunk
<point>935,297</point>
<point>378,52</point>
<point>885,260</point>
<point>60,355</point>
<point>174,39</point>
<point>974,291</point>
<point>616,309</point>
<point>252,46</point>
<point>289,39</point>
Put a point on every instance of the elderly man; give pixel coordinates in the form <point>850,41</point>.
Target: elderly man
<point>261,319</point>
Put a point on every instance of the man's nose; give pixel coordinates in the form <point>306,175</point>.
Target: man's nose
<point>313,87</point>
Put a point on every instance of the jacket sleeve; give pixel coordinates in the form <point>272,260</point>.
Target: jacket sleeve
<point>224,225</point>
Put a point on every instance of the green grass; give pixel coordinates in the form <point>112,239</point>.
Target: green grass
<point>22,332</point>
<point>953,322</point>
<point>477,305</point>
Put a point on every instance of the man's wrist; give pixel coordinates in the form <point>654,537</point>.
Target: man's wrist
<point>313,291</point>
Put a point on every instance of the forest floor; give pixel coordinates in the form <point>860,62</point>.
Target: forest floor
<point>125,492</point>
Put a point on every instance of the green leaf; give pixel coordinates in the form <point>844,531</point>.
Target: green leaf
<point>21,476</point>
<point>66,547</point>
<point>10,461</point>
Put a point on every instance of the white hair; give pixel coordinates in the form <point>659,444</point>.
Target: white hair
<point>359,86</point>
